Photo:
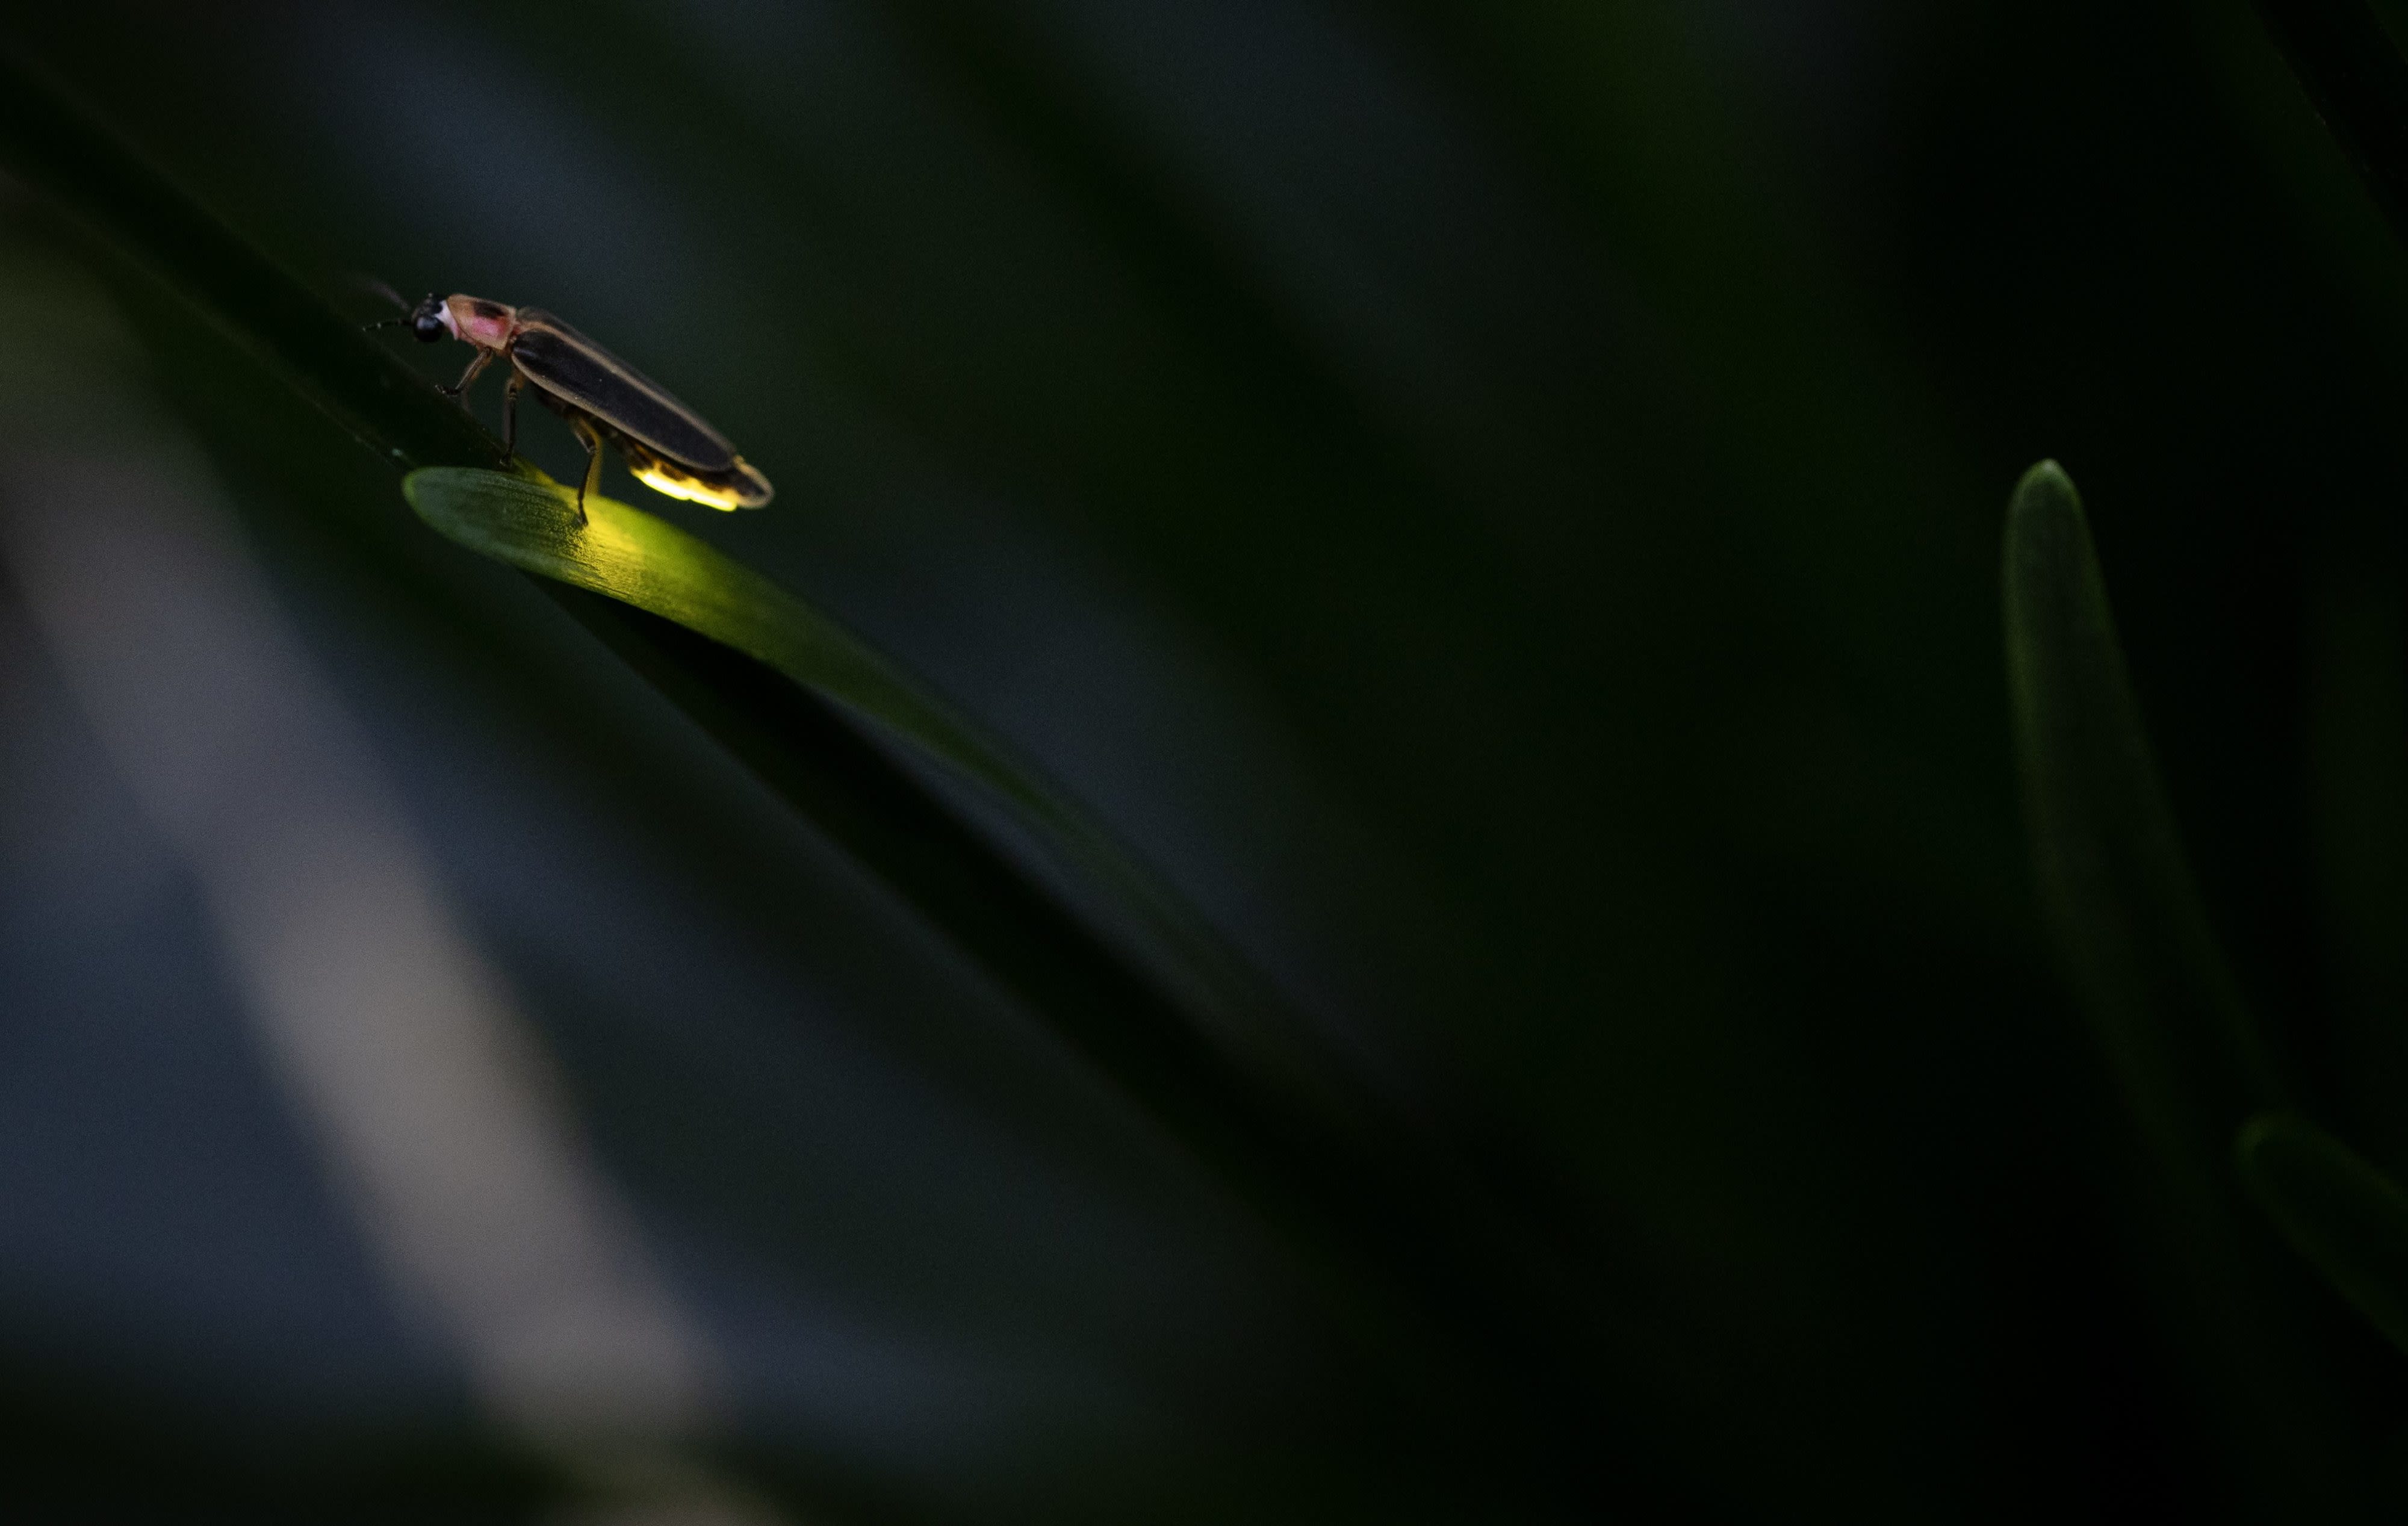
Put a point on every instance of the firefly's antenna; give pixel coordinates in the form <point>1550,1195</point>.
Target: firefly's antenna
<point>407,317</point>
<point>402,309</point>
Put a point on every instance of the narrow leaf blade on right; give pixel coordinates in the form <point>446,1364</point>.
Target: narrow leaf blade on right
<point>2113,878</point>
<point>2133,938</point>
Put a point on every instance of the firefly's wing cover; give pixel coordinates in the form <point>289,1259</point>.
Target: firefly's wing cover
<point>564,362</point>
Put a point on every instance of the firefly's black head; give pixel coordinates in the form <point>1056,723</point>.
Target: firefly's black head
<point>426,321</point>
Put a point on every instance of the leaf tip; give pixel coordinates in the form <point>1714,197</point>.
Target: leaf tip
<point>2044,488</point>
<point>2047,535</point>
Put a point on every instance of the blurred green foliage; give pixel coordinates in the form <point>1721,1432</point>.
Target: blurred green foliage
<point>1573,438</point>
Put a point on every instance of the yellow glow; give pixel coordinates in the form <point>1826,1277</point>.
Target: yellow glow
<point>659,480</point>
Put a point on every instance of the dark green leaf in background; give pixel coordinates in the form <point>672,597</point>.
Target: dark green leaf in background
<point>2105,847</point>
<point>2145,967</point>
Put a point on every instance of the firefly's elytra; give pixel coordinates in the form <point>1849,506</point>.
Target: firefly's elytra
<point>666,444</point>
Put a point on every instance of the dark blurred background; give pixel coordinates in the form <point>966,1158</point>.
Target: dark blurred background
<point>1498,502</point>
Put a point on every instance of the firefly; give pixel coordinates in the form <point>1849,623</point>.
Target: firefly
<point>667,446</point>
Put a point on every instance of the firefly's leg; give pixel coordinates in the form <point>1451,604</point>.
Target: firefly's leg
<point>484,358</point>
<point>510,418</point>
<point>587,437</point>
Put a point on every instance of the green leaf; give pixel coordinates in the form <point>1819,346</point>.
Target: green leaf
<point>1154,1040</point>
<point>630,556</point>
<point>2135,942</point>
<point>2123,909</point>
<point>2337,1210</point>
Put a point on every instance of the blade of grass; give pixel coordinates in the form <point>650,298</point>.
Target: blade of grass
<point>1412,1248</point>
<point>821,756</point>
<point>2107,853</point>
<point>2337,1209</point>
<point>643,560</point>
<point>2134,939</point>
